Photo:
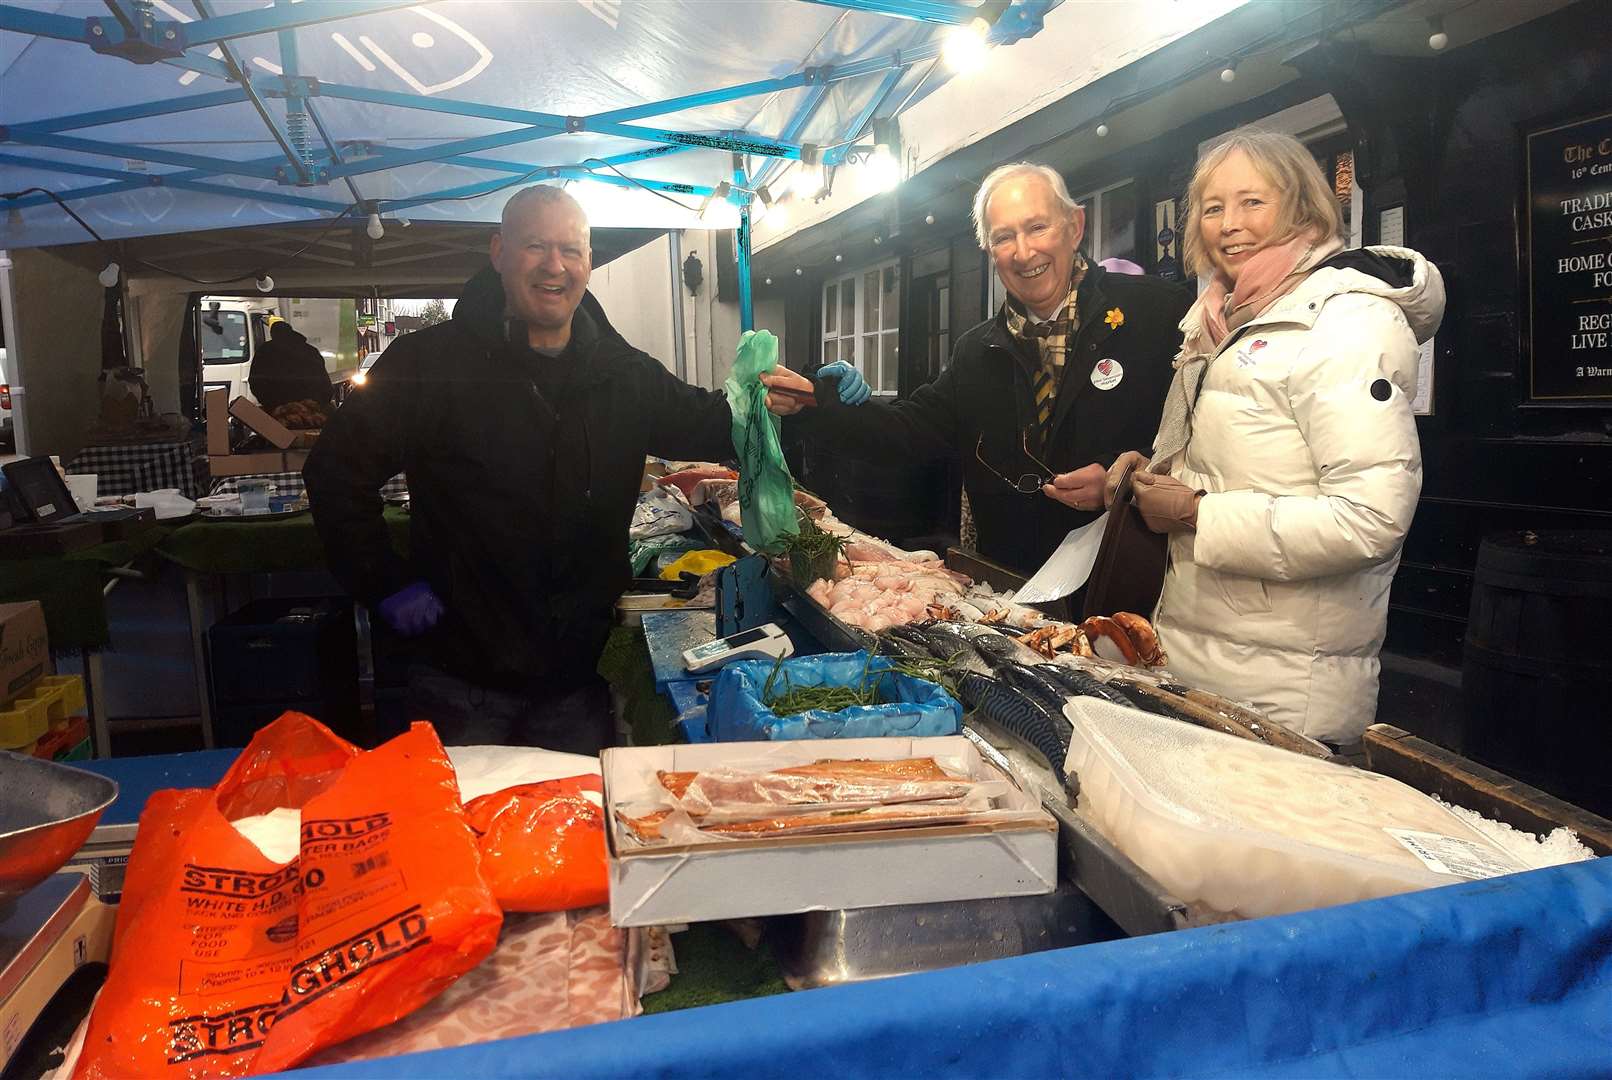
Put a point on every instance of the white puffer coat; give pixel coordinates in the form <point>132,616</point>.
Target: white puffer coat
<point>1304,439</point>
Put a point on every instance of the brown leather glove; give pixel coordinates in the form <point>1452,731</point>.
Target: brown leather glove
<point>1167,505</point>
<point>1117,470</point>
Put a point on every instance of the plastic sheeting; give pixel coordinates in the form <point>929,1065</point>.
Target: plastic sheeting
<point>566,57</point>
<point>1507,977</point>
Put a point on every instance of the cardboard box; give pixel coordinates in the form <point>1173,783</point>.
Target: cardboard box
<point>291,447</point>
<point>1014,855</point>
<point>257,418</point>
<point>216,403</point>
<point>274,461</point>
<point>24,647</point>
<point>654,469</point>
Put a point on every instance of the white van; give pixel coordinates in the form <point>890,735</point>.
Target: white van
<point>229,332</point>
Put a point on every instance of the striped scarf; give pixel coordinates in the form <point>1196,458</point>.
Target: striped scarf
<point>1053,339</point>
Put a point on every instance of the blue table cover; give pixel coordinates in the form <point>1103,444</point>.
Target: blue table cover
<point>1510,977</point>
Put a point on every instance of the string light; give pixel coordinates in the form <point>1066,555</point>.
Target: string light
<point>1438,39</point>
<point>965,48</point>
<point>373,228</point>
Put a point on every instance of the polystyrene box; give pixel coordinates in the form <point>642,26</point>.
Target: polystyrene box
<point>1252,830</point>
<point>1016,854</point>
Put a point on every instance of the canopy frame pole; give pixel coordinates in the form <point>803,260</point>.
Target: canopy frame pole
<point>167,39</point>
<point>941,12</point>
<point>546,172</point>
<point>165,107</point>
<point>741,242</point>
<point>522,167</point>
<point>853,131</point>
<point>145,153</point>
<point>140,180</point>
<point>130,181</point>
<point>220,28</point>
<point>303,174</point>
<point>793,130</point>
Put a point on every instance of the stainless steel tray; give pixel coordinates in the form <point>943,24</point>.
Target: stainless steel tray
<point>825,948</point>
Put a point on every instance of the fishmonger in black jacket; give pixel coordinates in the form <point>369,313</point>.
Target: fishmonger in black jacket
<point>522,424</point>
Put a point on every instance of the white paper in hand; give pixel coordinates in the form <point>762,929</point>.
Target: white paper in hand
<point>1069,566</point>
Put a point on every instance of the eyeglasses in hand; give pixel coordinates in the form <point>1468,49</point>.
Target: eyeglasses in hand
<point>1027,483</point>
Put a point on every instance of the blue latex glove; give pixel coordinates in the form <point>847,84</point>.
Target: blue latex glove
<point>412,610</point>
<point>854,389</point>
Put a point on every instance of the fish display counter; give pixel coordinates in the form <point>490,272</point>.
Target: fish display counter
<point>1212,894</point>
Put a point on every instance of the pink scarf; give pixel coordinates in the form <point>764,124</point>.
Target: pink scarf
<point>1269,274</point>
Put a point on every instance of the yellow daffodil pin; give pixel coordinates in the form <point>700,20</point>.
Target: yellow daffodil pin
<point>1115,318</point>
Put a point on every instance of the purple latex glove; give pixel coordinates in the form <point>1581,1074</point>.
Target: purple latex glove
<point>412,610</point>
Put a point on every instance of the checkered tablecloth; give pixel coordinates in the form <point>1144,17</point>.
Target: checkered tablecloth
<point>126,469</point>
<point>289,485</point>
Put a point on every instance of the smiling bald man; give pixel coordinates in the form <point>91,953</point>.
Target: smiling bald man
<point>522,424</point>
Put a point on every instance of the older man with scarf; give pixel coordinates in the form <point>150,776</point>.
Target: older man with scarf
<point>1040,398</point>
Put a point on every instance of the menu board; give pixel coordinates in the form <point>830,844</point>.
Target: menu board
<point>1570,260</point>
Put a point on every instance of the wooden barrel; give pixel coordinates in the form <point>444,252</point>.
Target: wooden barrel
<point>1537,673</point>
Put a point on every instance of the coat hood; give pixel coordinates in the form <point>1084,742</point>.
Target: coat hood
<point>481,309</point>
<point>1397,274</point>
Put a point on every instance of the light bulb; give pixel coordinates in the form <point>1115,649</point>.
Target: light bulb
<point>109,276</point>
<point>807,182</point>
<point>766,281</point>
<point>374,229</point>
<point>799,271</point>
<point>882,172</point>
<point>839,258</point>
<point>929,219</point>
<point>964,48</point>
<point>1437,40</point>
<point>264,283</point>
<point>1102,131</point>
<point>1228,74</point>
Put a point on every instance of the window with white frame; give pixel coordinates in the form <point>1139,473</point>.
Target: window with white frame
<point>862,324</point>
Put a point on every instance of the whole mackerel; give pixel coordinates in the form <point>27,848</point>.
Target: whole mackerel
<point>1020,715</point>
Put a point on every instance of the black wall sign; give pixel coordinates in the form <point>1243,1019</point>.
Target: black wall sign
<point>1570,260</point>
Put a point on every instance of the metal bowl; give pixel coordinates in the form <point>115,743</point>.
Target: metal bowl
<point>47,811</point>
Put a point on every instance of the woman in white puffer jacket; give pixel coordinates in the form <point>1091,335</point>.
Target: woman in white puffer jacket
<point>1287,467</point>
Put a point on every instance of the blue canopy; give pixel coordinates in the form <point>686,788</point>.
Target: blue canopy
<point>1510,977</point>
<point>161,116</point>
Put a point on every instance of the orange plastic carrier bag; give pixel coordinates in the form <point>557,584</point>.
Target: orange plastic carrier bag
<point>225,962</point>
<point>543,844</point>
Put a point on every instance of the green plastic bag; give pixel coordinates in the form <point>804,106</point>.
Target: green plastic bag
<point>766,490</point>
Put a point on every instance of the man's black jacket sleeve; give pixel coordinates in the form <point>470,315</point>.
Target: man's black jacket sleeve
<point>684,422</point>
<point>361,448</point>
<point>920,427</point>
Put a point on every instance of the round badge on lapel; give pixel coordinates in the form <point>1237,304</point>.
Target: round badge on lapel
<point>1106,374</point>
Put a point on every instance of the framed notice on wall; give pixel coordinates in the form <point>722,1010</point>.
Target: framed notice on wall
<point>1569,216</point>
